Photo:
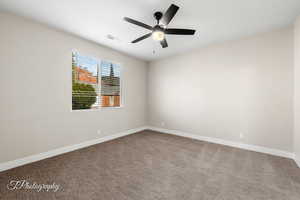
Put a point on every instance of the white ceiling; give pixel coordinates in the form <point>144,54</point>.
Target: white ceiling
<point>214,20</point>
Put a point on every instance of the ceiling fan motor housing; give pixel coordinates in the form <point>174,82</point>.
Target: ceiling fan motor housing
<point>158,28</point>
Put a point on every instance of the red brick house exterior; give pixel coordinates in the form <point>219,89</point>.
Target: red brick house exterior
<point>84,76</point>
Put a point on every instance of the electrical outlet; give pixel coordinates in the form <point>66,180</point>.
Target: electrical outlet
<point>162,124</point>
<point>241,135</point>
<point>99,132</point>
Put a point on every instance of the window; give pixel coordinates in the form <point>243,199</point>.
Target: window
<point>110,84</point>
<point>95,83</point>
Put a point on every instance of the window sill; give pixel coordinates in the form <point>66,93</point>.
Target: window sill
<point>98,109</point>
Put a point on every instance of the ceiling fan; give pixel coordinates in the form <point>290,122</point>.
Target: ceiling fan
<point>159,31</point>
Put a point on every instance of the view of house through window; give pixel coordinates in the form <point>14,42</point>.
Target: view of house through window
<point>95,83</point>
<point>110,84</point>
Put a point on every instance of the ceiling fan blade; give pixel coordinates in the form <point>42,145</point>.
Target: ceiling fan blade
<point>137,23</point>
<point>164,43</point>
<point>142,38</point>
<point>169,14</point>
<point>177,31</point>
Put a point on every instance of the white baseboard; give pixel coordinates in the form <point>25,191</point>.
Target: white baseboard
<point>62,150</point>
<point>226,142</point>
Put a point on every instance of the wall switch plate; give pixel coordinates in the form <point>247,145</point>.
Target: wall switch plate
<point>162,123</point>
<point>241,135</point>
<point>99,132</point>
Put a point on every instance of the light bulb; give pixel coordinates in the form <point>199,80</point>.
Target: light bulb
<point>158,35</point>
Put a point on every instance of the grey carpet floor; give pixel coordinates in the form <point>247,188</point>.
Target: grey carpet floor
<point>156,166</point>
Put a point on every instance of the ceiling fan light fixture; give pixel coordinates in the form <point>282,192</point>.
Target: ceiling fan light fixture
<point>158,35</point>
<point>160,30</point>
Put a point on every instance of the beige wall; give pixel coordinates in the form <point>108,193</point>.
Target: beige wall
<point>297,91</point>
<point>35,77</point>
<point>243,86</point>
